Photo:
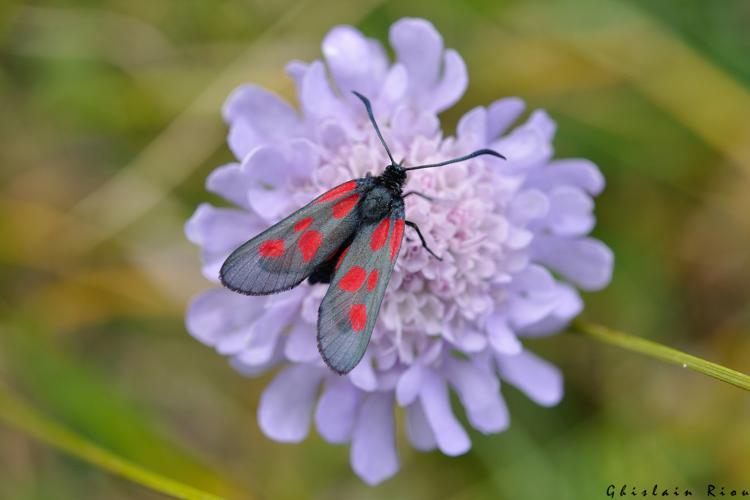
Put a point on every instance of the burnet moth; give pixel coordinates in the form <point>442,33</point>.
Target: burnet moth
<point>348,237</point>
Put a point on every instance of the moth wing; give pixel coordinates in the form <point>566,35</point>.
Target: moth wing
<point>350,307</point>
<point>286,253</point>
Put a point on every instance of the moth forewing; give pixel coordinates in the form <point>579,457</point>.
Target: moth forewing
<point>285,254</point>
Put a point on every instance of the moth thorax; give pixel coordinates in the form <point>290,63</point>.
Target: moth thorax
<point>377,203</point>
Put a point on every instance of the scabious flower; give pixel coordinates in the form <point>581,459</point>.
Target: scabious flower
<point>513,236</point>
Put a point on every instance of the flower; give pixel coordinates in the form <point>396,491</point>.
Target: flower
<point>513,236</point>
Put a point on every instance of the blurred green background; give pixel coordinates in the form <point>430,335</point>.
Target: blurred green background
<point>110,124</point>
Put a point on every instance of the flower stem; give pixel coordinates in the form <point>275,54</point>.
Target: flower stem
<point>661,352</point>
<point>18,414</point>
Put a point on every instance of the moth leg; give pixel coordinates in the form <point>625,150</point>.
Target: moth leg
<point>421,238</point>
<point>424,196</point>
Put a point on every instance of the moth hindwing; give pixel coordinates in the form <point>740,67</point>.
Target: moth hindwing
<point>350,307</point>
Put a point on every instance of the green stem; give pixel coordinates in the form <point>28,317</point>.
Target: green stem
<point>661,352</point>
<point>17,414</point>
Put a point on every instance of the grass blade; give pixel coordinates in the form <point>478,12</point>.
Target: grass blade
<point>21,416</point>
<point>661,352</point>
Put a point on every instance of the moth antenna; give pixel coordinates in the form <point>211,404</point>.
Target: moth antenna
<point>366,102</point>
<point>479,152</point>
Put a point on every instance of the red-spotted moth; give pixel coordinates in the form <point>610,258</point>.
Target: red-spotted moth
<point>349,237</point>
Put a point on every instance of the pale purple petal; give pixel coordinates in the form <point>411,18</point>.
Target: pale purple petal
<point>318,98</point>
<point>501,114</point>
<point>286,404</point>
<point>265,333</point>
<point>215,229</point>
<point>218,313</point>
<point>574,172</point>
<point>452,84</point>
<point>297,70</point>
<point>408,123</point>
<point>219,231</point>
<point>418,429</point>
<point>254,370</point>
<point>243,139</point>
<point>538,379</point>
<point>267,172</point>
<point>472,128</point>
<point>451,438</point>
<point>292,298</point>
<point>332,135</point>
<point>301,346</point>
<point>479,391</point>
<point>541,122</point>
<point>522,148</point>
<point>373,453</point>
<point>500,336</point>
<point>419,47</point>
<point>235,341</point>
<point>586,262</point>
<point>394,87</point>
<point>534,280</point>
<point>304,157</point>
<point>229,182</point>
<point>491,418</point>
<point>470,340</point>
<point>570,212</point>
<point>528,145</point>
<point>409,385</point>
<point>526,311</point>
<point>337,410</point>
<point>257,117</point>
<point>363,375</point>
<point>355,62</point>
<point>529,205</point>
<point>311,304</point>
<point>536,296</point>
<point>568,305</point>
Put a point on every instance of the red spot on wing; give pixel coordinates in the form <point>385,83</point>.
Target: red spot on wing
<point>343,207</point>
<point>337,192</point>
<point>372,280</point>
<point>352,280</point>
<point>341,258</point>
<point>398,233</point>
<point>271,248</point>
<point>380,235</point>
<point>303,224</point>
<point>358,317</point>
<point>309,243</point>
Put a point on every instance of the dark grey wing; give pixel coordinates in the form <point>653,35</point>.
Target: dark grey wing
<point>286,253</point>
<point>350,308</point>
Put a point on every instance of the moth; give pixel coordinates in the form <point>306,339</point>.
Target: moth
<point>348,237</point>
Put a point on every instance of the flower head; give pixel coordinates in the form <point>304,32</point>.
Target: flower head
<point>513,236</point>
